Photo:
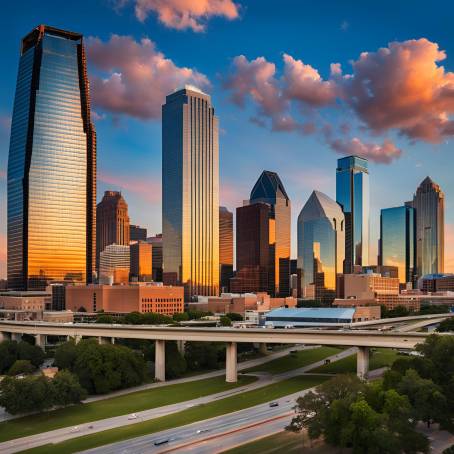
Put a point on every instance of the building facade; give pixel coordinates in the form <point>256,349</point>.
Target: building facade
<point>429,203</point>
<point>270,189</point>
<point>225,248</point>
<point>112,222</point>
<point>190,192</point>
<point>52,164</point>
<point>156,252</point>
<point>141,254</point>
<point>397,241</point>
<point>137,233</point>
<point>352,194</point>
<point>321,246</point>
<point>114,264</point>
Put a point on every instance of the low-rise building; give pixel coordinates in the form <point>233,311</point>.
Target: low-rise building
<point>25,300</point>
<point>365,310</point>
<point>143,298</point>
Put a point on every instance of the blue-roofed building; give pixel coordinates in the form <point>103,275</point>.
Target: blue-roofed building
<point>309,316</point>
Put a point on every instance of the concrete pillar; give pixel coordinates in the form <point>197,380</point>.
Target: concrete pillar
<point>262,348</point>
<point>180,345</point>
<point>106,340</point>
<point>160,360</point>
<point>77,339</point>
<point>230,363</point>
<point>40,340</point>
<point>112,339</point>
<point>362,365</point>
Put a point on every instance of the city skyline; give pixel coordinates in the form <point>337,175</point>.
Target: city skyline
<point>302,161</point>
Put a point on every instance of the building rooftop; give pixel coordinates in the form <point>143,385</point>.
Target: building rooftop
<point>313,312</point>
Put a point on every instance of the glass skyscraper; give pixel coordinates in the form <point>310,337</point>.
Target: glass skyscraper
<point>321,246</point>
<point>397,241</point>
<point>225,247</point>
<point>352,194</point>
<point>429,203</point>
<point>190,192</point>
<point>269,189</point>
<point>52,164</point>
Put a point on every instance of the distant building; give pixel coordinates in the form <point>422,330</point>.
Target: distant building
<point>384,270</point>
<point>429,203</point>
<point>321,246</point>
<point>141,261</point>
<point>58,297</point>
<point>112,222</point>
<point>309,316</point>
<point>270,189</point>
<point>397,241</point>
<point>25,300</point>
<point>114,264</point>
<point>437,283</point>
<point>156,242</point>
<point>225,247</point>
<point>137,233</point>
<point>125,298</point>
<point>352,194</point>
<point>190,192</point>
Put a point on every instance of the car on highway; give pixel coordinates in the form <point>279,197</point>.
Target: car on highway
<point>161,442</point>
<point>274,404</point>
<point>75,429</point>
<point>201,431</point>
<point>132,416</point>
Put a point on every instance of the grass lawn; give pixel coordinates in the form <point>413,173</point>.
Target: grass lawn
<point>116,406</point>
<point>289,442</point>
<point>187,416</point>
<point>295,360</point>
<point>379,358</point>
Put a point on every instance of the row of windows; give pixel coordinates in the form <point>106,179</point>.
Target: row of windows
<point>161,300</point>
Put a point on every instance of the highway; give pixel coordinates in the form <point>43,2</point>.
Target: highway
<point>59,435</point>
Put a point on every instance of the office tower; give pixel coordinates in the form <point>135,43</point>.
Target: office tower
<point>156,242</point>
<point>141,261</point>
<point>397,241</point>
<point>321,246</point>
<point>253,259</point>
<point>429,203</point>
<point>112,221</point>
<point>190,192</point>
<point>52,164</point>
<point>269,189</point>
<point>225,247</point>
<point>137,233</point>
<point>352,194</point>
<point>114,264</point>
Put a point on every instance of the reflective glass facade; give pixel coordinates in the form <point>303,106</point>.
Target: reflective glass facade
<point>397,241</point>
<point>190,192</point>
<point>429,203</point>
<point>321,246</point>
<point>269,189</point>
<point>352,193</point>
<point>52,164</point>
<point>225,247</point>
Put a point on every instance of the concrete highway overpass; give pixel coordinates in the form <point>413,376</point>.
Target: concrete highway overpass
<point>107,333</point>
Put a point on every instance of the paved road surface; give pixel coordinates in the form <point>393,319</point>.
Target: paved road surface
<point>58,435</point>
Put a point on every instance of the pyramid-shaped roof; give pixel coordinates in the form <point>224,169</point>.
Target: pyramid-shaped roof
<point>267,188</point>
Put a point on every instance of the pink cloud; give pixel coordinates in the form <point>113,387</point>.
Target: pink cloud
<point>382,154</point>
<point>138,76</point>
<point>449,250</point>
<point>184,14</point>
<point>148,189</point>
<point>2,174</point>
<point>232,194</point>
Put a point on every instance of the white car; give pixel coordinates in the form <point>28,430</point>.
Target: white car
<point>132,416</point>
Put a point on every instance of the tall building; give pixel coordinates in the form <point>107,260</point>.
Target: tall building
<point>190,192</point>
<point>225,247</point>
<point>156,252</point>
<point>429,203</point>
<point>52,164</point>
<point>321,246</point>
<point>254,264</point>
<point>352,194</point>
<point>397,241</point>
<point>269,189</point>
<point>141,261</point>
<point>137,233</point>
<point>112,222</point>
<point>114,264</point>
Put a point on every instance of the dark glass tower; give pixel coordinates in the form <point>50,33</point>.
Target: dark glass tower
<point>352,194</point>
<point>397,241</point>
<point>52,164</point>
<point>225,247</point>
<point>269,189</point>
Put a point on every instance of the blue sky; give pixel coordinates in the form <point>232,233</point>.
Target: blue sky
<point>317,33</point>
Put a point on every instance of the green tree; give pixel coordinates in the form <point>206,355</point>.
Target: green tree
<point>153,318</point>
<point>67,389</point>
<point>225,321</point>
<point>21,366</point>
<point>8,355</point>
<point>175,361</point>
<point>104,318</point>
<point>180,316</point>
<point>65,355</point>
<point>201,355</point>
<point>446,325</point>
<point>133,318</point>
<point>29,352</point>
<point>234,317</point>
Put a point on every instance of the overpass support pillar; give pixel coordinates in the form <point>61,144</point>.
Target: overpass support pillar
<point>40,341</point>
<point>230,363</point>
<point>16,337</point>
<point>106,340</point>
<point>262,348</point>
<point>180,345</point>
<point>77,339</point>
<point>362,365</point>
<point>160,360</point>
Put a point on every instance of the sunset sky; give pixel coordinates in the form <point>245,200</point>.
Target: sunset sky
<point>295,85</point>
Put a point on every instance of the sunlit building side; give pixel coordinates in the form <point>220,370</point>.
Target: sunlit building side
<point>52,164</point>
<point>225,247</point>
